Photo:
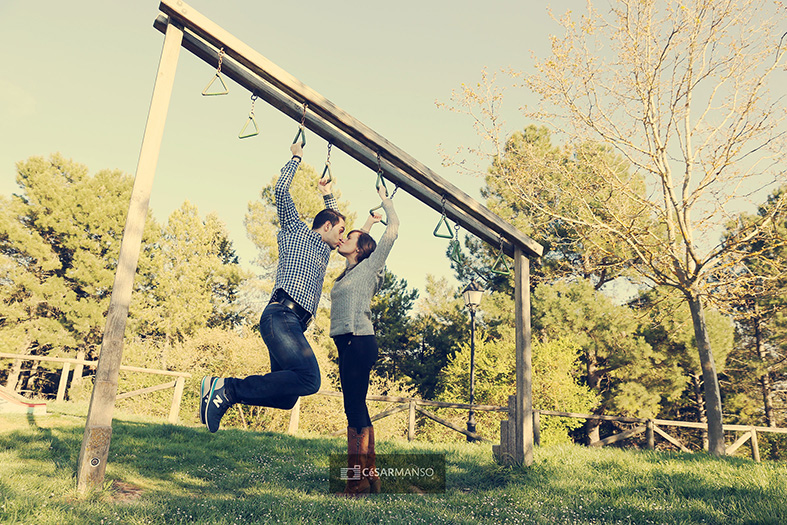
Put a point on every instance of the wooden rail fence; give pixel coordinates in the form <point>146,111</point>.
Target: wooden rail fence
<point>651,427</point>
<point>178,384</point>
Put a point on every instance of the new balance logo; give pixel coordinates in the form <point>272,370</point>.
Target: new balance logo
<point>218,401</point>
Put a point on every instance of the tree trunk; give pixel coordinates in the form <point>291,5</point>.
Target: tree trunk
<point>699,402</point>
<point>765,379</point>
<point>594,381</point>
<point>709,378</point>
<point>32,379</point>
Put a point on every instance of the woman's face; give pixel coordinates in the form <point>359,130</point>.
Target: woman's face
<point>349,245</point>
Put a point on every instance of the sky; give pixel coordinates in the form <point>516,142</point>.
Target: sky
<point>77,78</point>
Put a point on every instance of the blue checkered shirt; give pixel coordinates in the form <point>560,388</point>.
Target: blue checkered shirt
<point>303,255</point>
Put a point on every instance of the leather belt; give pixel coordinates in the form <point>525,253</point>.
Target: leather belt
<point>283,298</point>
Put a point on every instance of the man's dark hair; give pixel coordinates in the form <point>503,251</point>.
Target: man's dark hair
<point>327,215</point>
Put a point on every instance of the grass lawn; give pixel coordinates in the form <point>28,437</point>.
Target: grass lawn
<point>161,473</point>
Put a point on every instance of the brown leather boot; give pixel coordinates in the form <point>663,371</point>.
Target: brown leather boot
<point>375,484</point>
<point>357,445</point>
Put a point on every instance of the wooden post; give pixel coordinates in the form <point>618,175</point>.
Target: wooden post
<point>536,428</point>
<point>177,396</point>
<point>411,422</point>
<point>98,427</point>
<point>295,418</point>
<point>76,378</point>
<point>650,437</point>
<point>755,446</point>
<point>523,454</point>
<point>61,386</point>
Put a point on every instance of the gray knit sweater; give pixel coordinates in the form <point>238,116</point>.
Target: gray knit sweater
<point>351,296</point>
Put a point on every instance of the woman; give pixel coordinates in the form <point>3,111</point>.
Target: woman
<point>353,333</point>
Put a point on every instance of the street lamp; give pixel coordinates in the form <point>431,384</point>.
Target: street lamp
<point>472,295</point>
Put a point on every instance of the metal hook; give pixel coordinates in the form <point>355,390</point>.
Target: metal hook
<point>225,90</point>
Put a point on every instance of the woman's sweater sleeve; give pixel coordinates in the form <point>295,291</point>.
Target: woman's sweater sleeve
<point>380,254</point>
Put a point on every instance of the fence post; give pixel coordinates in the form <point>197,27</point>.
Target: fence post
<point>295,418</point>
<point>61,386</point>
<point>755,447</point>
<point>537,428</point>
<point>174,410</point>
<point>411,422</point>
<point>78,368</point>
<point>649,437</point>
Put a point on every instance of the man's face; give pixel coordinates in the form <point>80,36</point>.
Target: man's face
<point>332,237</point>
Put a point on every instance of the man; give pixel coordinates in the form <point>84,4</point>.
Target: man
<point>303,258</point>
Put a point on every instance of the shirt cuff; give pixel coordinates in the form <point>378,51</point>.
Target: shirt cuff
<point>297,157</point>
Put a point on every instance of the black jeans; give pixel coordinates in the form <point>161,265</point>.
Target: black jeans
<point>357,355</point>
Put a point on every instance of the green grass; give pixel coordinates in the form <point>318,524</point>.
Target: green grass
<point>159,473</point>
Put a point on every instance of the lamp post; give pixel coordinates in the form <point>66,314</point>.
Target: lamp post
<point>472,296</point>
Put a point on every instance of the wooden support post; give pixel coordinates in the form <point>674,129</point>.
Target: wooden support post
<point>411,422</point>
<point>650,438</point>
<point>177,396</point>
<point>523,453</point>
<point>61,386</point>
<point>98,427</point>
<point>76,378</point>
<point>755,446</point>
<point>536,428</point>
<point>295,418</point>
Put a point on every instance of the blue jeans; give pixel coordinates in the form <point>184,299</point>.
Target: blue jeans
<point>294,369</point>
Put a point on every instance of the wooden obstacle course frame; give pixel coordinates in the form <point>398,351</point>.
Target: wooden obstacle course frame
<point>185,27</point>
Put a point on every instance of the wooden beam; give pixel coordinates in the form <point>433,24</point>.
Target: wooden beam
<point>155,388</point>
<point>98,427</point>
<point>670,439</point>
<point>755,447</point>
<point>738,442</point>
<point>389,412</point>
<point>450,425</point>
<point>283,91</point>
<point>424,402</point>
<point>524,373</point>
<point>619,437</point>
<point>93,364</point>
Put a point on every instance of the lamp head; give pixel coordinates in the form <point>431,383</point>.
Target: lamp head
<point>472,295</point>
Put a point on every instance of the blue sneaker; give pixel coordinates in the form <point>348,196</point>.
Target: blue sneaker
<point>204,393</point>
<point>218,404</point>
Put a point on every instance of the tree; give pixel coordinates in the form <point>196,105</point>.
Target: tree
<point>572,248</point>
<point>555,384</point>
<point>759,306</point>
<point>439,328</point>
<point>667,327</point>
<point>192,281</point>
<point>680,90</point>
<point>627,374</point>
<point>391,308</point>
<point>59,244</point>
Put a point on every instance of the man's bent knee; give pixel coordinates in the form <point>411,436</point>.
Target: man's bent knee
<point>311,385</point>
